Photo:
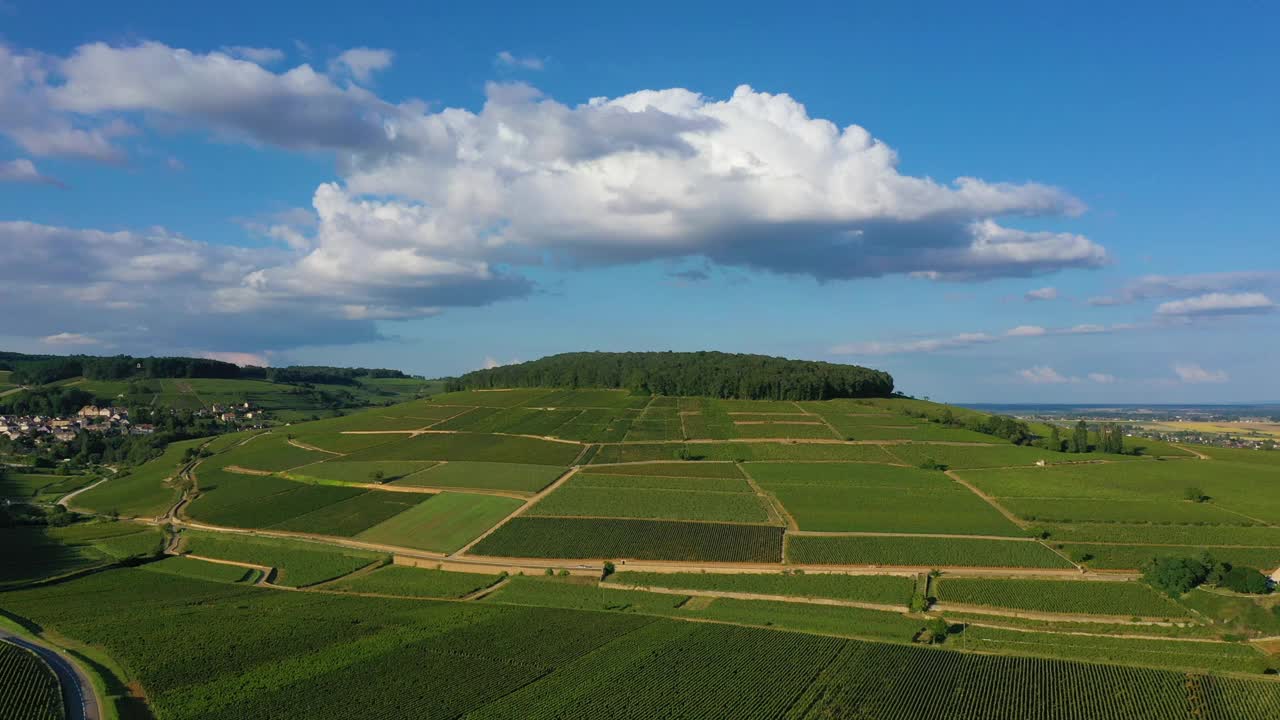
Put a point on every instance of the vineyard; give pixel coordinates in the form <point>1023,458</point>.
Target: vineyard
<point>28,688</point>
<point>648,503</point>
<point>884,589</point>
<point>1060,596</point>
<point>920,551</point>
<point>548,537</point>
<point>486,475</point>
<point>300,563</point>
<point>414,582</point>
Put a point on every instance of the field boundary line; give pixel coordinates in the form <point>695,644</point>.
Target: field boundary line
<point>313,448</point>
<point>872,533</point>
<point>734,595</point>
<point>1017,521</point>
<point>530,502</point>
<point>1081,633</point>
<point>1152,620</point>
<point>834,433</point>
<point>773,503</point>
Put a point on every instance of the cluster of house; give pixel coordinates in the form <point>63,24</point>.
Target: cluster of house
<point>231,413</point>
<point>90,418</point>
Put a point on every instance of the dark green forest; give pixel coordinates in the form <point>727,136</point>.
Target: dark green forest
<point>707,374</point>
<point>44,369</point>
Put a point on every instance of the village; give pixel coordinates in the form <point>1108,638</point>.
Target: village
<point>109,419</point>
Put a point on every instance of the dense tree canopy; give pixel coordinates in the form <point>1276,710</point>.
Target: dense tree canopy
<point>710,374</point>
<point>44,369</point>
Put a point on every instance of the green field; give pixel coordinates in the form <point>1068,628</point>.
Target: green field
<point>1131,557</point>
<point>201,570</point>
<point>299,563</point>
<point>652,504</point>
<point>444,523</point>
<point>836,497</point>
<point>143,491</point>
<point>322,655</point>
<point>884,589</point>
<point>28,688</point>
<point>40,487</point>
<point>485,476</point>
<point>1190,656</point>
<point>1142,491</point>
<point>270,452</point>
<point>673,469</point>
<point>740,451</point>
<point>367,471</point>
<point>659,482</point>
<point>919,552</point>
<point>554,537</point>
<point>493,398</point>
<point>415,582</point>
<point>473,446</point>
<point>1060,596</point>
<point>582,594</point>
<point>354,515</point>
<point>34,554</point>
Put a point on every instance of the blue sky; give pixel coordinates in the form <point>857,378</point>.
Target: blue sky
<point>1069,203</point>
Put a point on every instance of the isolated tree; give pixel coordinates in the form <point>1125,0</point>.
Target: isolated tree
<point>1080,438</point>
<point>1177,575</point>
<point>1245,580</point>
<point>608,569</point>
<point>376,476</point>
<point>936,630</point>
<point>1055,439</point>
<point>1194,494</point>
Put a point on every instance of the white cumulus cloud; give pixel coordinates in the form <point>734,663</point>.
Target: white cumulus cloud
<point>1192,373</point>
<point>1044,293</point>
<point>1217,304</point>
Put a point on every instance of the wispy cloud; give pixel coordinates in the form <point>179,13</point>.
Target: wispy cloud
<point>506,58</point>
<point>1045,375</point>
<point>68,338</point>
<point>1042,294</point>
<point>964,340</point>
<point>1217,304</point>
<point>1151,287</point>
<point>1192,373</point>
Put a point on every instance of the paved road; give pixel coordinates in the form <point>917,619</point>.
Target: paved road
<point>77,691</point>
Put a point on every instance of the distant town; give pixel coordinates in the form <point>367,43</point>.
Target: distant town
<point>107,419</point>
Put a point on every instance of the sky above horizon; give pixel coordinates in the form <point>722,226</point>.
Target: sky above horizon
<point>1073,203</point>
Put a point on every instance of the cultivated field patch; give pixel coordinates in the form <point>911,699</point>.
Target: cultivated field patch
<point>516,477</point>
<point>920,552</point>
<point>654,504</point>
<point>555,537</point>
<point>444,523</point>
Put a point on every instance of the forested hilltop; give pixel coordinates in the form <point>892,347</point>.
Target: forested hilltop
<point>707,374</point>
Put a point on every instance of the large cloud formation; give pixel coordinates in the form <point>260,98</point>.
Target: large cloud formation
<point>440,208</point>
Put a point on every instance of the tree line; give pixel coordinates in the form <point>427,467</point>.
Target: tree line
<point>706,374</point>
<point>45,369</point>
<point>1110,439</point>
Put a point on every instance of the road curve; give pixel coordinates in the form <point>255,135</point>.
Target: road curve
<point>78,696</point>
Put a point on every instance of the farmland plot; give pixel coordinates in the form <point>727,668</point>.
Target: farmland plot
<point>554,537</point>
<point>485,476</point>
<point>920,552</point>
<point>475,447</point>
<point>648,503</point>
<point>444,523</point>
<point>1060,596</point>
